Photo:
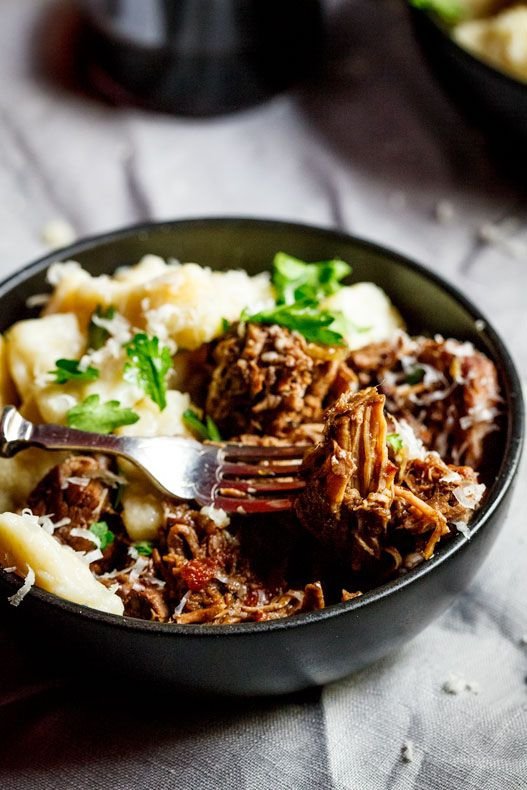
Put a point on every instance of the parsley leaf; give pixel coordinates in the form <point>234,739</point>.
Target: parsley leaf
<point>201,430</point>
<point>98,335</point>
<point>296,281</point>
<point>92,415</point>
<point>415,376</point>
<point>68,370</point>
<point>143,547</point>
<point>450,11</point>
<point>395,442</point>
<point>148,366</point>
<point>305,317</point>
<point>101,530</point>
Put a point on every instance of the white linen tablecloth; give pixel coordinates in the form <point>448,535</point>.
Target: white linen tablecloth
<point>375,149</point>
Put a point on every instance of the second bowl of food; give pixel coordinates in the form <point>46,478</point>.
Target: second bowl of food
<point>478,50</point>
<point>402,398</point>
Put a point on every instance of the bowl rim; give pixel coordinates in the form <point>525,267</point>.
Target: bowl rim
<point>498,490</point>
<point>468,56</point>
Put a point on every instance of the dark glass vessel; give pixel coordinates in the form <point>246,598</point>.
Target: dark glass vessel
<point>199,57</point>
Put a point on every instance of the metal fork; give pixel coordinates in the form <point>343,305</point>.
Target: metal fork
<point>235,477</point>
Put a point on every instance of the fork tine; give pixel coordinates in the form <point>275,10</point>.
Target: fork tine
<point>259,470</point>
<point>257,487</point>
<point>265,453</point>
<point>248,505</point>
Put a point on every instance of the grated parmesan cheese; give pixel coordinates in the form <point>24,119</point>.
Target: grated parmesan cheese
<point>413,445</point>
<point>462,527</point>
<point>469,495</point>
<point>37,300</point>
<point>181,605</point>
<point>451,477</point>
<point>29,581</point>
<point>58,271</point>
<point>217,515</point>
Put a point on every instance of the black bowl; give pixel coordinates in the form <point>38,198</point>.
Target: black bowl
<point>309,649</point>
<point>487,96</point>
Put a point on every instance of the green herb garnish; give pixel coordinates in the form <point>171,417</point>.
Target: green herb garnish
<point>148,366</point>
<point>143,547</point>
<point>395,441</point>
<point>296,281</point>
<point>415,376</point>
<point>94,416</point>
<point>225,324</point>
<point>68,370</point>
<point>207,430</point>
<point>304,317</point>
<point>98,335</point>
<point>101,530</point>
<point>450,11</point>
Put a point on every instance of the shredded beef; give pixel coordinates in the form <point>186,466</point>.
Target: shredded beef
<point>373,505</point>
<point>349,480</point>
<point>446,390</point>
<point>268,380</point>
<point>377,511</point>
<point>205,569</point>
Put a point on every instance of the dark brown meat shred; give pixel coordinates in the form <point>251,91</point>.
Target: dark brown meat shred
<point>76,489</point>
<point>146,603</point>
<point>209,580</point>
<point>349,480</point>
<point>445,389</point>
<point>375,511</point>
<point>268,380</point>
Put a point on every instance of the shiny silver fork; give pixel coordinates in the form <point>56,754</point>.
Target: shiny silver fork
<point>237,478</point>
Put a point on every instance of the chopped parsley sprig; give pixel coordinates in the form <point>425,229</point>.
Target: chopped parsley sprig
<point>415,376</point>
<point>68,370</point>
<point>296,281</point>
<point>143,547</point>
<point>304,317</point>
<point>394,440</point>
<point>207,430</point>
<point>300,287</point>
<point>102,531</point>
<point>450,11</point>
<point>148,366</point>
<point>96,417</point>
<point>98,335</point>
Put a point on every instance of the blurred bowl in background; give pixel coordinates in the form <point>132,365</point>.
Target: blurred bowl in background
<point>490,98</point>
<point>199,57</point>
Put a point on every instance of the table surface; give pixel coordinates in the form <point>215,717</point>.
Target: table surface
<point>374,149</point>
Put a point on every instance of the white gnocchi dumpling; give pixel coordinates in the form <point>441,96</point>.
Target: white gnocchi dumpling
<point>58,569</point>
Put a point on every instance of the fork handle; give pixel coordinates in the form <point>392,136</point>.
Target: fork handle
<point>17,434</point>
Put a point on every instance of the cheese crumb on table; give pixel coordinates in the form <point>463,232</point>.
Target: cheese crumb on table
<point>58,233</point>
<point>407,751</point>
<point>455,684</point>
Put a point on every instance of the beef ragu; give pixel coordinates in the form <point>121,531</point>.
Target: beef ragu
<point>379,496</point>
<point>396,429</point>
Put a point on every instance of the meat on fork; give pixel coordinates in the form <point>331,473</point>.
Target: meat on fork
<point>350,479</point>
